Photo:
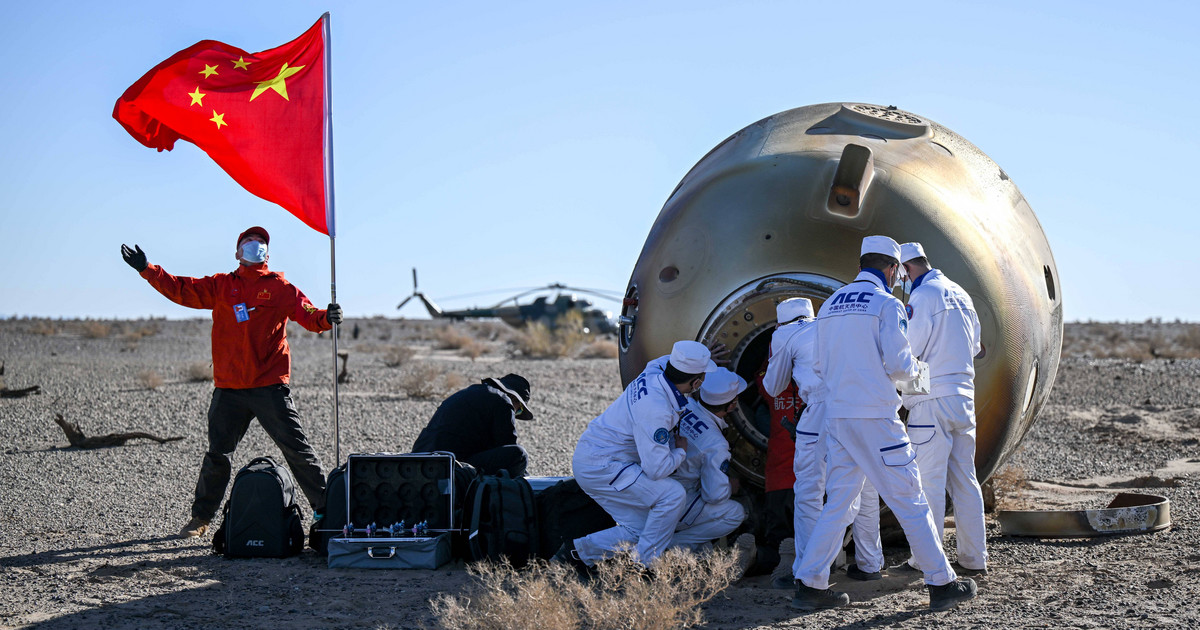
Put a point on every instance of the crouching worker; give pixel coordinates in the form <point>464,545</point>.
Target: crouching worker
<point>710,512</point>
<point>626,455</point>
<point>478,424</point>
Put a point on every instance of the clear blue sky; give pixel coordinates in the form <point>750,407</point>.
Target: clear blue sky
<point>507,144</point>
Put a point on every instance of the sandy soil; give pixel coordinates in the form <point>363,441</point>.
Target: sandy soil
<point>85,535</point>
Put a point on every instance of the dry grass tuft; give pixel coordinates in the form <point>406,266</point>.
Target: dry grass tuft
<point>395,356</point>
<point>473,349</point>
<point>619,597</point>
<point>1009,486</point>
<point>452,338</point>
<point>600,349</point>
<point>150,379</point>
<point>133,332</point>
<point>491,331</point>
<point>427,380</point>
<point>43,327</point>
<point>199,372</point>
<point>95,330</point>
<point>566,339</point>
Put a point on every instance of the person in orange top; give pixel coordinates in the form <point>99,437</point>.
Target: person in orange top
<point>251,364</point>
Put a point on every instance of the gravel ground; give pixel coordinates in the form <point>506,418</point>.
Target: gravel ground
<point>85,535</point>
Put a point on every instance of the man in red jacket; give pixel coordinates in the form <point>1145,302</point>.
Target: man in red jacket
<point>251,364</point>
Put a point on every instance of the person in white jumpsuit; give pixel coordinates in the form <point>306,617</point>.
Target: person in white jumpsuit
<point>943,330</point>
<point>626,455</point>
<point>792,359</point>
<point>861,351</point>
<point>710,513</point>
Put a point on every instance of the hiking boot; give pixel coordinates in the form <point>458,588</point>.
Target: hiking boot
<point>904,569</point>
<point>809,599</point>
<point>948,596</point>
<point>746,552</point>
<point>195,528</point>
<point>567,555</point>
<point>855,573</point>
<point>961,570</point>
<point>781,577</point>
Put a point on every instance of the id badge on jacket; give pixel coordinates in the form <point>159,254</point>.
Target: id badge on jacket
<point>241,312</point>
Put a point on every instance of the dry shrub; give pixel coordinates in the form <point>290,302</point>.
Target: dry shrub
<point>491,331</point>
<point>43,327</point>
<point>473,349</point>
<point>150,379</point>
<point>200,371</point>
<point>451,338</point>
<point>620,596</point>
<point>395,356</point>
<point>427,380</point>
<point>1190,338</point>
<point>95,330</point>
<point>567,338</point>
<point>1008,486</point>
<point>600,349</point>
<point>134,332</point>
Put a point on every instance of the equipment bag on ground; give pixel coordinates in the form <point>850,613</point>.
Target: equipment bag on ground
<point>334,519</point>
<point>261,518</point>
<point>503,520</point>
<point>566,512</point>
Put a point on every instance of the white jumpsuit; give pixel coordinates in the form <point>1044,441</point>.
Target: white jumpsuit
<point>944,332</point>
<point>860,349</point>
<point>623,461</point>
<point>710,512</point>
<point>792,359</point>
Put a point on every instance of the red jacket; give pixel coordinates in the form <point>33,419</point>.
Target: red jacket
<point>781,443</point>
<point>253,353</point>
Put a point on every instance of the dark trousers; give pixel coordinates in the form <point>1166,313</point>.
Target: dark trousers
<point>511,457</point>
<point>229,416</point>
<point>778,508</point>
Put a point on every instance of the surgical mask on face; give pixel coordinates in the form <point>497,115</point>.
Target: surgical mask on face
<point>254,252</point>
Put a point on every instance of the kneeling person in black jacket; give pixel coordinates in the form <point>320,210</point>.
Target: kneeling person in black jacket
<point>478,424</point>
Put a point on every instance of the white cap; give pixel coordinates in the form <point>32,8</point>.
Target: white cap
<point>691,357</point>
<point>792,308</point>
<point>909,251</point>
<point>721,387</point>
<point>880,245</point>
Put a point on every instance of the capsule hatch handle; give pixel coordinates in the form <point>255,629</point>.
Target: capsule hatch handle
<point>855,170</point>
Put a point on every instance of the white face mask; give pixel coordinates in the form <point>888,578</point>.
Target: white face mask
<point>254,252</point>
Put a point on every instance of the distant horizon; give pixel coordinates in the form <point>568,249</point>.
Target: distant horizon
<point>173,318</point>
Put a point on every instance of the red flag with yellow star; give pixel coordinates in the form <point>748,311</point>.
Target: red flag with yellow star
<point>260,116</point>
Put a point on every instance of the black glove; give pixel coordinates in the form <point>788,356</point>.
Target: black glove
<point>333,314</point>
<point>135,258</point>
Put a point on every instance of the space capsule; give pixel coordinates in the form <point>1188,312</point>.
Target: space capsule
<point>778,210</point>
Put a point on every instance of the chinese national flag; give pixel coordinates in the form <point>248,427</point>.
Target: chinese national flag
<point>260,116</point>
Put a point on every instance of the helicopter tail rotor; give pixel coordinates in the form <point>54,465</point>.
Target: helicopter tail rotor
<point>434,310</point>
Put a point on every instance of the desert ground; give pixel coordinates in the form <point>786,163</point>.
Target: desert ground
<point>86,536</point>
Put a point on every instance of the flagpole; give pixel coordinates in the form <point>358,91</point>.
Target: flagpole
<point>330,222</point>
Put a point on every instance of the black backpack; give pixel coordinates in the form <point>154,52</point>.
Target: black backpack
<point>334,519</point>
<point>261,518</point>
<point>503,520</point>
<point>566,512</point>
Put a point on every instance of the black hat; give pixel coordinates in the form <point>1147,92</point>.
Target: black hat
<point>517,389</point>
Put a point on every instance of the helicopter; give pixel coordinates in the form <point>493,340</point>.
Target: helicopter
<point>545,309</point>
